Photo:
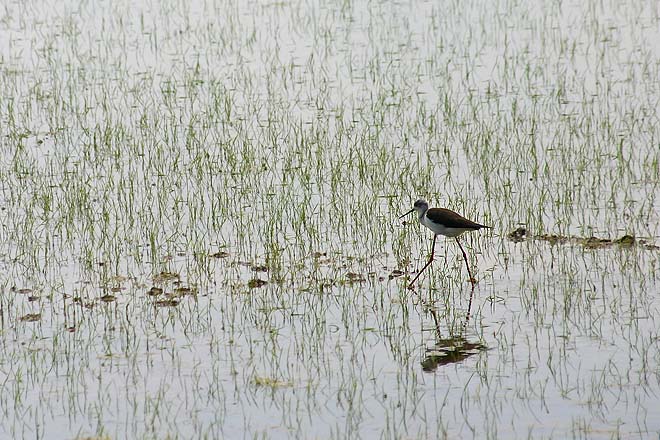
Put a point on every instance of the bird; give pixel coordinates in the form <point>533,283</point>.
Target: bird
<point>445,222</point>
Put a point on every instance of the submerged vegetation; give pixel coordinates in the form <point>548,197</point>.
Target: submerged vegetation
<point>199,207</point>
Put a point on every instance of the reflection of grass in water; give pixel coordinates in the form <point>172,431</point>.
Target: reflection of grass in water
<point>232,160</point>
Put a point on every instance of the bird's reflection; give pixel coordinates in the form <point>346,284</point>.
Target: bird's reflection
<point>452,349</point>
<point>449,351</point>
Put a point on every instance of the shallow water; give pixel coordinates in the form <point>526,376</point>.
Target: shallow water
<point>201,147</point>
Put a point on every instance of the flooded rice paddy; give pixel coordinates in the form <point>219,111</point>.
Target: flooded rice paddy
<point>199,210</point>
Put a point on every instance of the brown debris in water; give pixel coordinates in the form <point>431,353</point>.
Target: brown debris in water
<point>520,234</point>
<point>353,277</point>
<point>255,283</point>
<point>183,291</point>
<point>31,317</point>
<point>166,276</point>
<point>517,235</point>
<point>155,291</point>
<point>168,302</point>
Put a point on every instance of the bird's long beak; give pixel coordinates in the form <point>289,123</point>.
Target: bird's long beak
<point>407,213</point>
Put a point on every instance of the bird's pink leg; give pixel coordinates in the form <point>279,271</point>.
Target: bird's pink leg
<point>472,280</point>
<point>410,286</point>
